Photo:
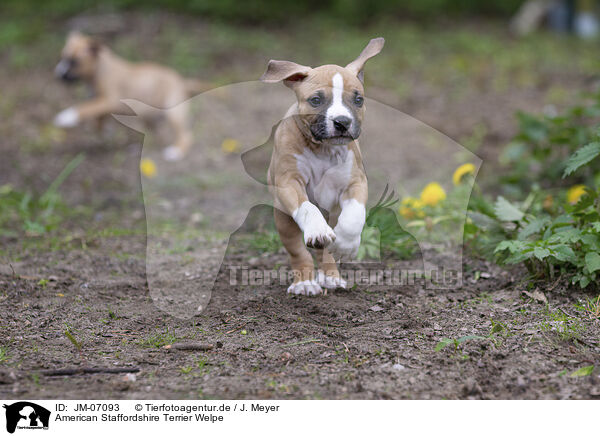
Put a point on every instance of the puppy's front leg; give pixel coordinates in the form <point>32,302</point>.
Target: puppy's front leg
<point>296,218</point>
<point>350,222</point>
<point>89,110</point>
<point>291,194</point>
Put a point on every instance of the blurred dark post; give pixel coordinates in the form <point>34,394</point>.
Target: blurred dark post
<point>569,16</point>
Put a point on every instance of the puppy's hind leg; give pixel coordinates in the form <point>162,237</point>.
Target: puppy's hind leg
<point>300,258</point>
<point>328,275</point>
<point>178,118</point>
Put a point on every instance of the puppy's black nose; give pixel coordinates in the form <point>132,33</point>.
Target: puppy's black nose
<point>342,123</point>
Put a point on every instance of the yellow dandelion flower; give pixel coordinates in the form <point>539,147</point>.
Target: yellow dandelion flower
<point>51,133</point>
<point>148,168</point>
<point>411,208</point>
<point>432,194</point>
<point>548,202</point>
<point>462,171</point>
<point>230,145</point>
<point>575,193</point>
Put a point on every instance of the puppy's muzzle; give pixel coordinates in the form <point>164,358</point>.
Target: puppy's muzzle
<point>64,70</point>
<point>342,124</point>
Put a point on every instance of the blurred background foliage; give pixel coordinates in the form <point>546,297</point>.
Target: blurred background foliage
<point>274,11</point>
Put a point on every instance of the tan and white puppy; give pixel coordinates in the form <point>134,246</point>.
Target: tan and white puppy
<point>114,79</point>
<point>317,166</point>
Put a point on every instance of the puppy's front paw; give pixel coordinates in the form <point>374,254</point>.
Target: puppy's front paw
<point>318,235</point>
<point>67,118</point>
<point>345,248</point>
<point>307,287</point>
<point>172,153</point>
<point>330,282</point>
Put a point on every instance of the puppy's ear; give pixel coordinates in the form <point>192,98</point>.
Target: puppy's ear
<point>290,72</point>
<point>74,34</point>
<point>373,47</point>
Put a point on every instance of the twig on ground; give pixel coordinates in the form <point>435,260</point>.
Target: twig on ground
<point>308,341</point>
<point>189,346</point>
<point>346,347</point>
<point>87,370</point>
<point>566,313</point>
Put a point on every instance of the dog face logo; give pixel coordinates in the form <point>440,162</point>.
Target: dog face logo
<point>26,415</point>
<point>78,58</point>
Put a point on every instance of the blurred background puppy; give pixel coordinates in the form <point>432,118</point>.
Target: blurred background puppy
<point>114,79</point>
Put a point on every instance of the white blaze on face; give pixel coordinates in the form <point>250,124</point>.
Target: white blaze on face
<point>337,107</point>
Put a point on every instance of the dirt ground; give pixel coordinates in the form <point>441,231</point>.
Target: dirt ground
<point>385,342</point>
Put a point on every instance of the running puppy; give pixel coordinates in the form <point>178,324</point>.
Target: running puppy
<point>317,166</point>
<point>114,79</point>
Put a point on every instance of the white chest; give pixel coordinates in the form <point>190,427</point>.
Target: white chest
<point>326,173</point>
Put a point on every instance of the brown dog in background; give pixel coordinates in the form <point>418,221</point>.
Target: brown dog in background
<point>114,79</point>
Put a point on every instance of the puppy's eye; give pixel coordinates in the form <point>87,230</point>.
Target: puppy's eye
<point>315,101</point>
<point>359,100</point>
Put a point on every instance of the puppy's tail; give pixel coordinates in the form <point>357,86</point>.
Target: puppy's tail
<point>195,86</point>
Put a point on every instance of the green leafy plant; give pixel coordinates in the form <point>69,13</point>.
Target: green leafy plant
<point>540,152</point>
<point>554,233</point>
<point>71,337</point>
<point>567,244</point>
<point>383,235</point>
<point>34,214</point>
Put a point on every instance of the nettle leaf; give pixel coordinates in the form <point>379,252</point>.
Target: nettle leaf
<point>591,240</point>
<point>581,157</point>
<point>584,281</point>
<point>566,235</point>
<point>562,221</point>
<point>582,372</point>
<point>511,246</point>
<point>443,344</point>
<point>483,221</point>
<point>541,253</point>
<point>592,261</point>
<point>520,256</point>
<point>564,253</point>
<point>532,128</point>
<point>596,226</point>
<point>506,211</point>
<point>535,226</point>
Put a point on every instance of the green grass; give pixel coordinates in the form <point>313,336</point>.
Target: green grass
<point>590,307</point>
<point>31,214</point>
<point>3,354</point>
<point>266,241</point>
<point>158,340</point>
<point>562,326</point>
